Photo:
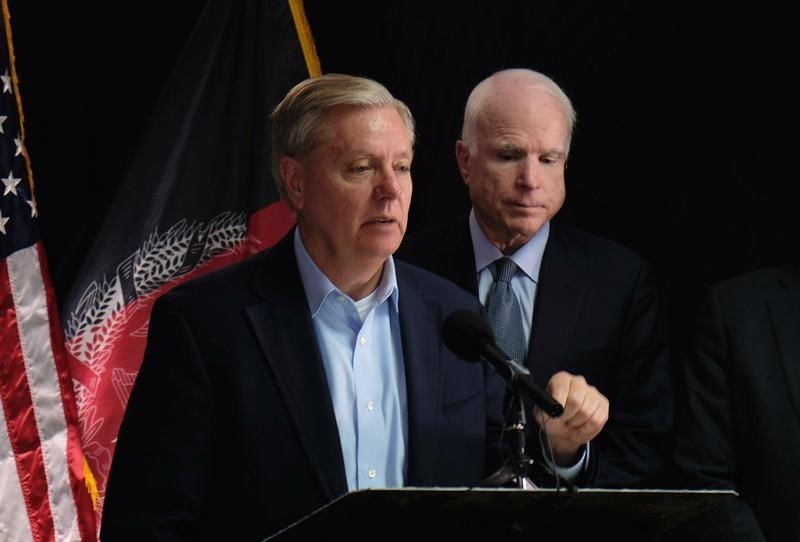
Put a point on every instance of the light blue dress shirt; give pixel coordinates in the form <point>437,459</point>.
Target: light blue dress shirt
<point>362,353</point>
<point>529,262</point>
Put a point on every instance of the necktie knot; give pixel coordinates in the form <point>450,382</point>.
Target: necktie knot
<point>505,269</point>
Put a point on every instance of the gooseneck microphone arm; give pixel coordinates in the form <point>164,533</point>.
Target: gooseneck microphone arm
<point>469,337</point>
<point>519,377</point>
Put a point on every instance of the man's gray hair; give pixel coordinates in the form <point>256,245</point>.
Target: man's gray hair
<point>298,122</point>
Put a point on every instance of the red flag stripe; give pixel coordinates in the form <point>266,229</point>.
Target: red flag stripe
<point>34,403</point>
<point>23,436</point>
<point>14,504</point>
<point>75,456</point>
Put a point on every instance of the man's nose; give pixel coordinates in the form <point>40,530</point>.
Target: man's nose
<point>530,171</point>
<point>388,183</point>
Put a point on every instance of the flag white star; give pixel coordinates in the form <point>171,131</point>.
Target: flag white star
<point>6,82</point>
<point>3,223</point>
<point>34,210</point>
<point>11,183</point>
<point>18,143</point>
<point>2,121</point>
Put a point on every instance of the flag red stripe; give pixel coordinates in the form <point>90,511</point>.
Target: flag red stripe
<point>268,225</point>
<point>75,457</point>
<point>20,420</point>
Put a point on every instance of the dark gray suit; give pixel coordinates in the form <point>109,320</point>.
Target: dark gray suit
<point>596,315</point>
<point>230,433</point>
<point>739,426</point>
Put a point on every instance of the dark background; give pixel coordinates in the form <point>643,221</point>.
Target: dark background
<point>684,149</point>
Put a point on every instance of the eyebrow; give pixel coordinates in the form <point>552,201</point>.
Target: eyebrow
<point>363,153</point>
<point>558,153</point>
<point>505,146</point>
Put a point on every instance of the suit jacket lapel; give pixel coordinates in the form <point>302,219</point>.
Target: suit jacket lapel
<point>785,315</point>
<point>423,375</point>
<point>287,340</point>
<point>559,295</point>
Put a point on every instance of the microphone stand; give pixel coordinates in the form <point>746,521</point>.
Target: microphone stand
<point>517,471</point>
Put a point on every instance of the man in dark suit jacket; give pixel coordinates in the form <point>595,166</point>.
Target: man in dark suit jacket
<point>238,423</point>
<point>595,333</point>
<point>739,422</point>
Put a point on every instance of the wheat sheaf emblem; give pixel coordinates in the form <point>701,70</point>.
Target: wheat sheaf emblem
<point>98,318</point>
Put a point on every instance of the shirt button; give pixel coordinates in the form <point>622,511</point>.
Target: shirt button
<point>340,299</point>
<point>363,341</point>
<point>372,473</point>
<point>370,405</point>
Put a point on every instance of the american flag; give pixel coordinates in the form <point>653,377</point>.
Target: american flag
<point>43,474</point>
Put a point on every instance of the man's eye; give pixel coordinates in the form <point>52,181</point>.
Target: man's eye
<point>549,159</point>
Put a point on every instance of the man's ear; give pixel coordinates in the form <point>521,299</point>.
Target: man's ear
<point>293,175</point>
<point>462,158</point>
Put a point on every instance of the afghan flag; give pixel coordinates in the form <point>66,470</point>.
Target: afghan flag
<point>198,195</point>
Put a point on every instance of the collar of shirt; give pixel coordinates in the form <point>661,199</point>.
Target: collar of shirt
<point>318,286</point>
<point>528,257</point>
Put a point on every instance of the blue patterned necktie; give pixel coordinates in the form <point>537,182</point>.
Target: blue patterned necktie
<point>505,316</point>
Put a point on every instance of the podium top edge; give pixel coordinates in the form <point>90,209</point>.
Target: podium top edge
<point>412,489</point>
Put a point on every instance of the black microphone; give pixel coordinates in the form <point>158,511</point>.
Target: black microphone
<point>470,338</point>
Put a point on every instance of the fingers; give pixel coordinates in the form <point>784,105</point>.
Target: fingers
<point>585,415</point>
<point>585,408</point>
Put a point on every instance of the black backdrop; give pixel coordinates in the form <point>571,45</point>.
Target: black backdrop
<point>684,145</point>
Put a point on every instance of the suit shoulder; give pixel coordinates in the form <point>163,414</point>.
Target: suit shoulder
<point>425,247</point>
<point>434,286</point>
<point>759,282</point>
<point>597,247</point>
<point>227,287</point>
<point>220,278</point>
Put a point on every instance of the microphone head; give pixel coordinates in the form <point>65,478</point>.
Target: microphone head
<point>466,334</point>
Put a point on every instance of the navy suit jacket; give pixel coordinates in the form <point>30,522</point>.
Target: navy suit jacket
<point>739,426</point>
<point>597,315</point>
<point>230,434</point>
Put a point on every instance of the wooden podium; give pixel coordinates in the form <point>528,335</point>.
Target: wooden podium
<point>490,514</point>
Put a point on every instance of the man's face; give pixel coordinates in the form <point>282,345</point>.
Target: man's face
<point>353,190</point>
<point>515,170</point>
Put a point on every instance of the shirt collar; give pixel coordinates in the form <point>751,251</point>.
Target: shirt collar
<point>318,286</point>
<point>528,257</point>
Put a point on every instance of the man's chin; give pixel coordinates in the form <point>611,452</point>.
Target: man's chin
<point>525,229</point>
<point>380,250</point>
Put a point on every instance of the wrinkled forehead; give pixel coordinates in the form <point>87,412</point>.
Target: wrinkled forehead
<point>521,98</point>
<point>365,130</point>
<point>528,109</point>
<point>348,121</point>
